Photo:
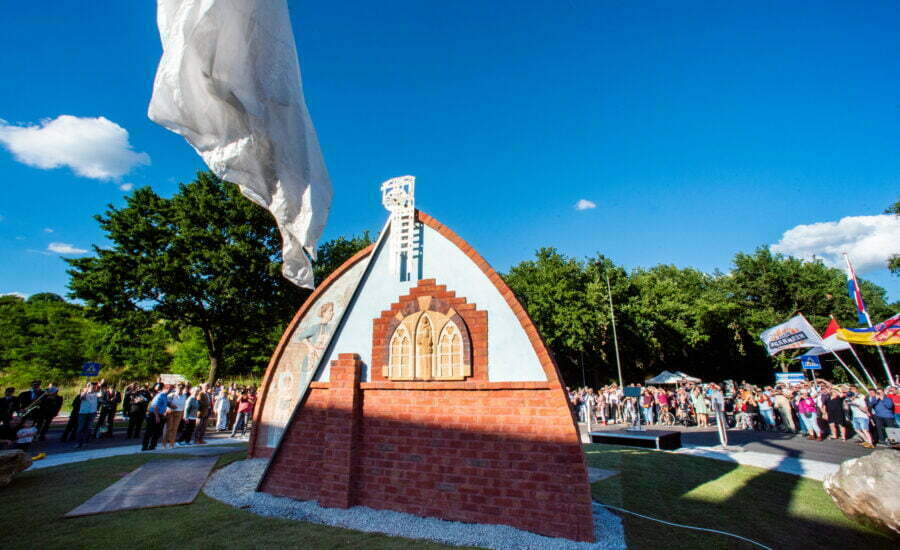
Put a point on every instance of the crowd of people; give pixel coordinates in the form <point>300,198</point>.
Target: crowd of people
<point>820,410</point>
<point>159,414</point>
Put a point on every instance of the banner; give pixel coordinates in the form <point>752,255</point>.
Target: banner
<point>810,362</point>
<point>796,333</point>
<point>882,334</point>
<point>171,379</point>
<point>790,378</point>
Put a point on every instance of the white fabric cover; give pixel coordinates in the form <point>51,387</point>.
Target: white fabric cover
<point>229,83</point>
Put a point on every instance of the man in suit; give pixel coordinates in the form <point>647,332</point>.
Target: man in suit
<point>29,396</point>
<point>49,408</point>
<point>7,408</point>
<point>109,402</point>
<point>72,425</point>
<point>138,400</point>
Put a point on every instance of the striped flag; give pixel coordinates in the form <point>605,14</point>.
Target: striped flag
<point>856,293</point>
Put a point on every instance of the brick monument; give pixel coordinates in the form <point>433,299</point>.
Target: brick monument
<point>413,380</point>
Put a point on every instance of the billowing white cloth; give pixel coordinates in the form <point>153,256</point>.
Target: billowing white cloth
<point>792,334</point>
<point>229,82</point>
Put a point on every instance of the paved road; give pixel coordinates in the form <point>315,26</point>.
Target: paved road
<point>781,444</point>
<point>54,446</point>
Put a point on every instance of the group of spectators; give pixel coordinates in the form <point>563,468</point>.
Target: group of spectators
<point>27,416</point>
<point>169,414</point>
<point>820,410</point>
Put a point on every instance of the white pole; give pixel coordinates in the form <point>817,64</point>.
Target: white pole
<point>858,360</point>
<point>884,362</point>
<point>853,374</point>
<point>887,369</point>
<point>612,316</point>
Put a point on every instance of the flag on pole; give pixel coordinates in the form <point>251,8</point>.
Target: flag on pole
<point>795,333</point>
<point>830,341</point>
<point>855,293</point>
<point>229,83</point>
<point>883,334</point>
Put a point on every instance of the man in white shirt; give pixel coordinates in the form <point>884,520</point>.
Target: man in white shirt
<point>86,413</point>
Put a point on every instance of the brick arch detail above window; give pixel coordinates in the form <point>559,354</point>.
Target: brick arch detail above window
<point>430,334</point>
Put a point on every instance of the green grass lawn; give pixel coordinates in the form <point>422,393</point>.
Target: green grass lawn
<point>35,501</point>
<point>776,509</point>
<point>779,510</point>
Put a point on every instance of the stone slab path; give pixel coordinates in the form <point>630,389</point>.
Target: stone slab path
<point>156,483</point>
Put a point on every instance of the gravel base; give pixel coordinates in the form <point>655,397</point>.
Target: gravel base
<point>236,484</point>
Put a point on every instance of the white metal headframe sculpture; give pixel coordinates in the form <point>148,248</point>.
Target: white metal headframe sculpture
<point>398,196</point>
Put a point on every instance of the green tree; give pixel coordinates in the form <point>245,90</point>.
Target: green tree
<point>332,254</point>
<point>43,337</point>
<point>190,358</point>
<point>552,290</point>
<point>205,258</point>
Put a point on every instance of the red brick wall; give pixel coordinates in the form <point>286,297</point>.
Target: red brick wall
<point>486,452</point>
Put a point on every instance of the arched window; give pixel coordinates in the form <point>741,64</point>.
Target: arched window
<point>428,345</point>
<point>450,355</point>
<point>400,363</point>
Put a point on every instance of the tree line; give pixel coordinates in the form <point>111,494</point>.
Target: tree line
<point>191,284</point>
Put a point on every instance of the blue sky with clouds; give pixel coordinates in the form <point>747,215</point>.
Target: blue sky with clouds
<point>653,132</point>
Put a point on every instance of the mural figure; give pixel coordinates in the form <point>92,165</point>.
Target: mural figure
<point>302,355</point>
<point>314,340</point>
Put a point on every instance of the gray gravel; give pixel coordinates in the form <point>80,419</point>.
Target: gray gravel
<point>236,483</point>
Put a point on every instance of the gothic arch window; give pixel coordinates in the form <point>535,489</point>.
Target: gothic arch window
<point>400,363</point>
<point>427,345</point>
<point>450,364</point>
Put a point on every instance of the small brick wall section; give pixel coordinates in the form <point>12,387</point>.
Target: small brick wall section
<point>488,454</point>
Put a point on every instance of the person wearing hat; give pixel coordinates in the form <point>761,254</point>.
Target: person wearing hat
<point>49,408</point>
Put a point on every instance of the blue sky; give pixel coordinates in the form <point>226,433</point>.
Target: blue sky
<point>697,129</point>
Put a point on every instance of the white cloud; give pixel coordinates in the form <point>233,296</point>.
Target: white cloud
<point>19,294</point>
<point>869,240</point>
<point>584,204</point>
<point>92,147</point>
<point>65,248</point>
<point>48,230</point>
<point>126,186</point>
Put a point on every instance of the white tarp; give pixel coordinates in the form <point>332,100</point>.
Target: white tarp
<point>666,377</point>
<point>796,333</point>
<point>686,377</point>
<point>229,83</point>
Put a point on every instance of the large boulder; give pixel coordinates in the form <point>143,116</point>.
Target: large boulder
<point>868,489</point>
<point>11,463</point>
